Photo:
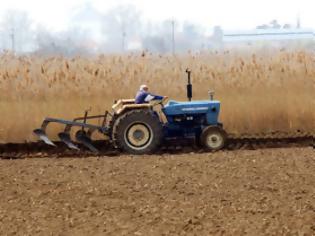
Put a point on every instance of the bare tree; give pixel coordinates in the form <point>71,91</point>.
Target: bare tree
<point>119,25</point>
<point>68,43</point>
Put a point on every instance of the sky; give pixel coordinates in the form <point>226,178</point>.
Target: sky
<point>230,14</point>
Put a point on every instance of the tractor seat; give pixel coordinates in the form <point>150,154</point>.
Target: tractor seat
<point>128,104</point>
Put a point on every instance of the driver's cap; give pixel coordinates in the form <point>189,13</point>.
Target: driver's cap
<point>143,86</point>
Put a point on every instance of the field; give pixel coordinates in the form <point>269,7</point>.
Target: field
<point>261,192</point>
<point>267,191</point>
<point>260,91</point>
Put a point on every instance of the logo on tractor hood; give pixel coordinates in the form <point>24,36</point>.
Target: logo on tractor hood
<point>195,109</point>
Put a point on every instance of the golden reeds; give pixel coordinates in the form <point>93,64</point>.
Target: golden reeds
<point>259,91</point>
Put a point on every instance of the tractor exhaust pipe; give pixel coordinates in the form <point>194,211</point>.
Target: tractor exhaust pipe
<point>189,85</point>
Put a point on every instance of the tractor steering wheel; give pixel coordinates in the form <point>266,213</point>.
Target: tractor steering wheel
<point>160,102</point>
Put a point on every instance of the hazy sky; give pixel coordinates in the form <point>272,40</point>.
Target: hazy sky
<point>231,14</point>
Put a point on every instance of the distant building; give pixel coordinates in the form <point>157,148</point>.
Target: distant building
<point>267,34</point>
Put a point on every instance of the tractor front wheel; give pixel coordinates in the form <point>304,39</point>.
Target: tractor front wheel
<point>213,138</point>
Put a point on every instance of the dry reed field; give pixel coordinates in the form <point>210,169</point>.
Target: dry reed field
<point>260,91</point>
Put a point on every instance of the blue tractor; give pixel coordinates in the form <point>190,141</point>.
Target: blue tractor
<point>143,128</point>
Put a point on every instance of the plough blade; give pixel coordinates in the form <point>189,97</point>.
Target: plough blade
<point>42,135</point>
<point>65,137</point>
<point>85,140</point>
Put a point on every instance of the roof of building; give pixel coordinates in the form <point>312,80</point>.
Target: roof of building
<point>268,34</point>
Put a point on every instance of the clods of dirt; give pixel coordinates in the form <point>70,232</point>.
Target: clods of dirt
<point>259,192</point>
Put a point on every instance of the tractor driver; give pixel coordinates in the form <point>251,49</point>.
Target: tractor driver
<point>143,95</point>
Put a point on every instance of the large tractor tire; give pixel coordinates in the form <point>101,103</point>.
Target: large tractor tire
<point>138,132</point>
<point>213,138</point>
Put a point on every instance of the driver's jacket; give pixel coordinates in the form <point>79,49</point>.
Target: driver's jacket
<point>145,97</point>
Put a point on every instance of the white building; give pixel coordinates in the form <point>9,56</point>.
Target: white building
<point>251,36</point>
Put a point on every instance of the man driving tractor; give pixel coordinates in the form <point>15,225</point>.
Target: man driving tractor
<point>143,95</point>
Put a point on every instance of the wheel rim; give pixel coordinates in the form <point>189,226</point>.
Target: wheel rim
<point>214,141</point>
<point>138,136</point>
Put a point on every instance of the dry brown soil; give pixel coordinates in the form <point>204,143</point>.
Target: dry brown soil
<point>260,192</point>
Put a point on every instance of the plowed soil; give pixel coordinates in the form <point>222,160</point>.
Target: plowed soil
<point>259,192</point>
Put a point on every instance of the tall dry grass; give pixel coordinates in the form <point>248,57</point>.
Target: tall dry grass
<point>259,91</point>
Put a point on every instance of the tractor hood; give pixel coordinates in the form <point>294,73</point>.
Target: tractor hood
<point>194,107</point>
<point>208,108</point>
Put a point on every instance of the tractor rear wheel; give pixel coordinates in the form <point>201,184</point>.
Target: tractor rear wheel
<point>138,132</point>
<point>213,138</point>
